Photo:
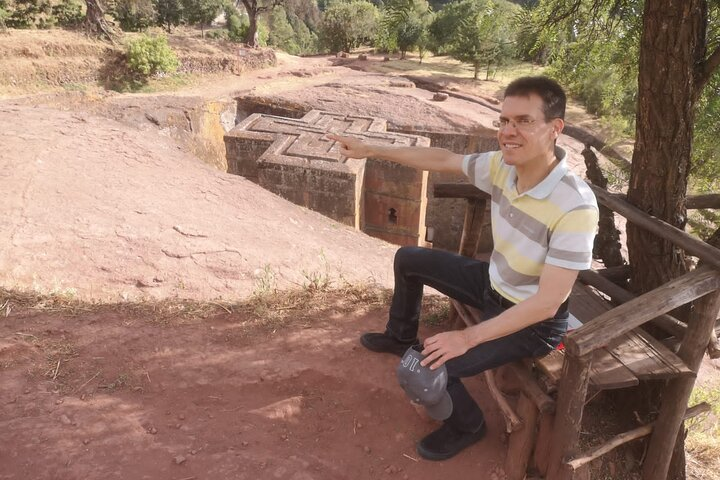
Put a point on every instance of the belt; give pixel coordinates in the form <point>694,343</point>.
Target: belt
<point>499,299</point>
<point>505,303</point>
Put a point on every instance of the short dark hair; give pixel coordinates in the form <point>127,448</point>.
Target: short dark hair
<point>551,93</point>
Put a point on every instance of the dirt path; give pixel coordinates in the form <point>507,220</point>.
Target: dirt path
<point>219,398</point>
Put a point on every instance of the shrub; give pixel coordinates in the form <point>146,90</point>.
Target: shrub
<point>68,13</point>
<point>148,56</point>
<point>237,29</point>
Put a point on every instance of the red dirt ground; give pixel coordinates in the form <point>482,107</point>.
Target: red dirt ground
<point>223,397</point>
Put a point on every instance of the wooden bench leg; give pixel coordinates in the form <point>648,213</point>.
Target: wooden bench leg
<point>571,403</point>
<point>541,458</point>
<point>521,443</point>
<point>512,422</point>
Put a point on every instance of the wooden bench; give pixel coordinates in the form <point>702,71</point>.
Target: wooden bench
<point>607,349</point>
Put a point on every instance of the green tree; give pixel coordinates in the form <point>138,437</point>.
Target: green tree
<point>169,13</point>
<point>478,32</point>
<point>404,23</point>
<point>306,39</point>
<point>201,12</point>
<point>30,14</point>
<point>345,26</point>
<point>134,15</point>
<point>254,8</point>
<point>281,33</point>
<point>68,13</point>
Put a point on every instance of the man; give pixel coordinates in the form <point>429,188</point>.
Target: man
<point>544,219</point>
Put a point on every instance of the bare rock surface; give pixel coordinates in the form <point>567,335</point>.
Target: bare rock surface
<point>109,212</point>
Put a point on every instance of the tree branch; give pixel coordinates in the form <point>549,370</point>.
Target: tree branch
<point>706,69</point>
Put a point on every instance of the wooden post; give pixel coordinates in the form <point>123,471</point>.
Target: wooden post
<point>521,442</point>
<point>542,445</point>
<point>675,398</point>
<point>472,228</point>
<point>607,241</point>
<point>676,395</point>
<point>571,403</point>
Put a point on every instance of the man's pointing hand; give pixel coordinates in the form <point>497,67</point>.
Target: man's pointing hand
<point>350,146</point>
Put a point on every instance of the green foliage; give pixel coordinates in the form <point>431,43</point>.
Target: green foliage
<point>236,24</point>
<point>594,51</point>
<point>201,12</point>
<point>289,33</point>
<point>347,25</point>
<point>30,14</point>
<point>281,32</point>
<point>706,149</point>
<point>68,13</point>
<point>237,29</point>
<point>169,13</point>
<point>148,56</point>
<point>307,40</point>
<point>403,24</point>
<point>4,14</point>
<point>134,15</point>
<point>478,32</point>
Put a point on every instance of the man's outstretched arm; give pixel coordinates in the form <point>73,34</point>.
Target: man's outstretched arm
<point>422,158</point>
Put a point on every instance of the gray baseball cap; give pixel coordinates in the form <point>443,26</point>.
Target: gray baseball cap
<point>424,386</point>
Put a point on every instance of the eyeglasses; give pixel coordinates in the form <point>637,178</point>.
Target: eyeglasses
<point>522,124</point>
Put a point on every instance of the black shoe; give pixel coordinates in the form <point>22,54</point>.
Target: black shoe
<point>384,343</point>
<point>447,441</point>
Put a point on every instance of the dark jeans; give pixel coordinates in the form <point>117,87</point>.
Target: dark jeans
<point>466,280</point>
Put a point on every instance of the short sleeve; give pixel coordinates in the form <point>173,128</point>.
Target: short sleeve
<point>478,167</point>
<point>571,241</point>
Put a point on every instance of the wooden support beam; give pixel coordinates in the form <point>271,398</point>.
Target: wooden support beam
<point>692,245</point>
<point>616,274</point>
<point>530,387</point>
<point>619,295</point>
<point>692,202</point>
<point>571,402</point>
<point>512,421</point>
<point>620,320</point>
<point>695,202</point>
<point>520,446</point>
<point>458,190</point>
<point>713,349</point>
<point>472,227</point>
<point>541,457</point>
<point>626,437</point>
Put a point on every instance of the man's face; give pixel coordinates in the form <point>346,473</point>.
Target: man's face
<point>527,137</point>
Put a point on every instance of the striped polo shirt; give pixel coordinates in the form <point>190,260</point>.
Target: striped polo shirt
<point>554,222</point>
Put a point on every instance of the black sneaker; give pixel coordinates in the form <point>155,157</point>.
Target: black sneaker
<point>447,441</point>
<point>384,343</point>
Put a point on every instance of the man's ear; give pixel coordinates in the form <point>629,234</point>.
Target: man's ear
<point>558,124</point>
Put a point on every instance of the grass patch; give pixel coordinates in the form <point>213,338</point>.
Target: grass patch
<point>703,438</point>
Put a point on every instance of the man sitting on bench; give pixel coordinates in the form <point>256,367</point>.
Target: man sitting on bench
<point>544,219</point>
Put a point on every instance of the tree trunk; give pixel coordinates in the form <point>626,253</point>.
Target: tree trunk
<point>671,48</point>
<point>251,38</point>
<point>672,44</point>
<point>95,23</point>
<point>476,66</point>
